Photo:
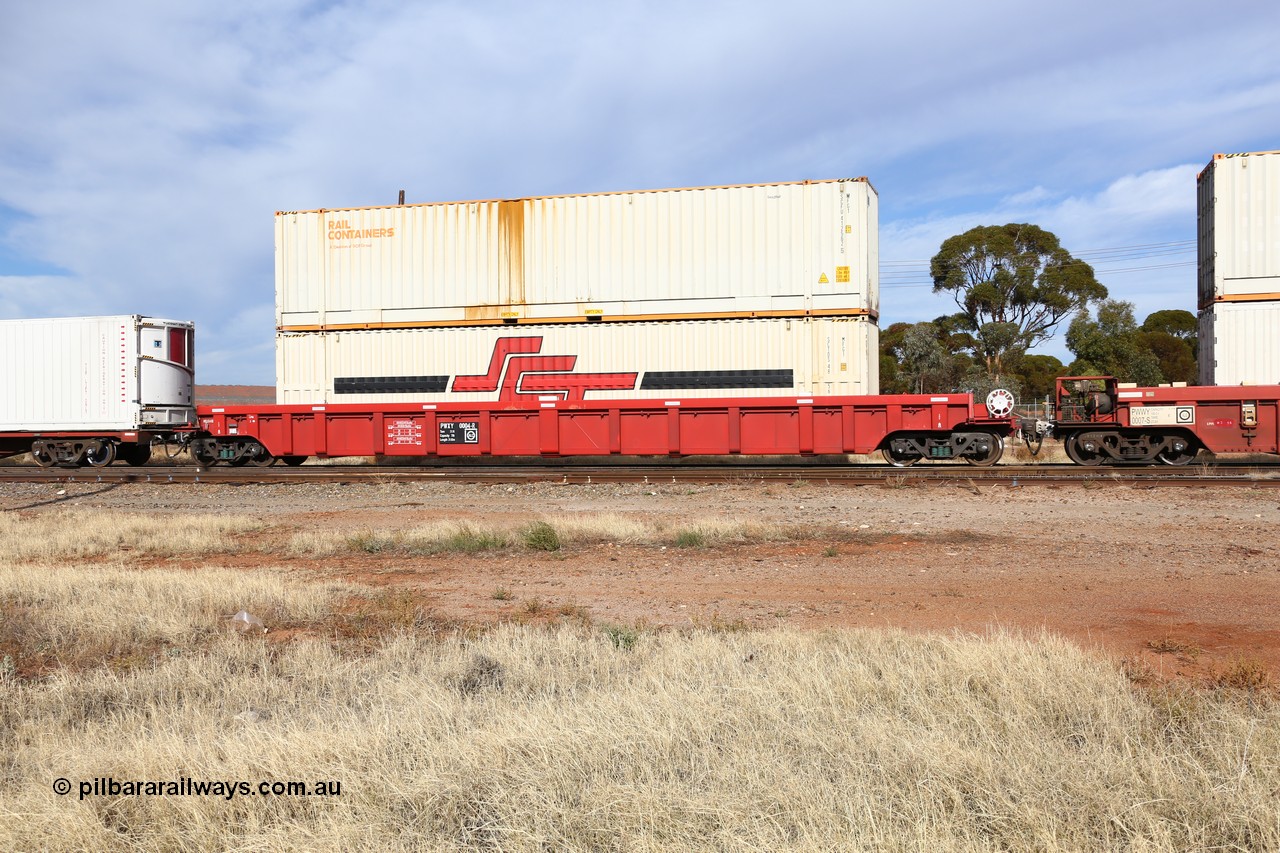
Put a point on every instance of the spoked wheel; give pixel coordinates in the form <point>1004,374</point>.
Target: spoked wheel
<point>41,456</point>
<point>1078,454</point>
<point>992,456</point>
<point>900,460</point>
<point>99,454</point>
<point>293,461</point>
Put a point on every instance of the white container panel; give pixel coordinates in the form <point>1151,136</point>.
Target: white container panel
<point>661,253</point>
<point>583,361</point>
<point>1238,197</point>
<point>112,373</point>
<point>1240,344</point>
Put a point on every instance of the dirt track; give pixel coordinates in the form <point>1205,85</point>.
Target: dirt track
<point>1183,581</point>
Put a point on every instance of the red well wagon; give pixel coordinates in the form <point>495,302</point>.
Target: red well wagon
<point>906,428</point>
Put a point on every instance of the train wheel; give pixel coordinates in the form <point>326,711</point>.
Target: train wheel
<point>992,456</point>
<point>99,454</point>
<point>293,461</point>
<point>900,460</point>
<point>41,456</point>
<point>262,460</point>
<point>135,454</point>
<point>1078,454</point>
<point>204,457</point>
<point>1175,457</point>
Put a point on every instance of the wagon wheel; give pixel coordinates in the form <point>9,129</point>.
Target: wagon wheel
<point>99,454</point>
<point>135,454</point>
<point>41,455</point>
<point>204,457</point>
<point>992,456</point>
<point>261,460</point>
<point>900,460</point>
<point>1079,455</point>
<point>1178,457</point>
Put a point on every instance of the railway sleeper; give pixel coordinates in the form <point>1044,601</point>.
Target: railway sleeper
<point>976,447</point>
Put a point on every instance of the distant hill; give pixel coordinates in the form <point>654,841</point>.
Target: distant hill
<point>234,395</point>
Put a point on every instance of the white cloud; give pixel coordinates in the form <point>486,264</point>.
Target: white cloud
<point>146,146</point>
<point>1138,211</point>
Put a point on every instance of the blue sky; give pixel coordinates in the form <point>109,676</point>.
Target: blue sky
<point>145,146</point>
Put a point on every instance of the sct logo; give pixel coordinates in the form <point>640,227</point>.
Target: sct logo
<point>517,368</point>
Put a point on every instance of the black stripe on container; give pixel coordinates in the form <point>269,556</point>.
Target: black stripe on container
<point>672,380</point>
<point>390,384</point>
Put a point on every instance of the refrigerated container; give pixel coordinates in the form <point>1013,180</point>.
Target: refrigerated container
<point>124,372</point>
<point>1238,197</point>
<point>769,250</point>
<point>686,358</point>
<point>1240,344</point>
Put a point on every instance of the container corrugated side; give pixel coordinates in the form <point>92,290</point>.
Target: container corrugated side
<point>716,251</point>
<point>1240,344</point>
<point>94,373</point>
<point>1238,233</point>
<point>692,358</point>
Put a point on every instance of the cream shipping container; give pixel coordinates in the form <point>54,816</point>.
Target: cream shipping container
<point>580,361</point>
<point>1239,228</point>
<point>1240,344</point>
<point>768,250</point>
<point>116,373</point>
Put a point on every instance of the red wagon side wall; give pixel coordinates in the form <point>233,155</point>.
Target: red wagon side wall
<point>1214,414</point>
<point>748,426</point>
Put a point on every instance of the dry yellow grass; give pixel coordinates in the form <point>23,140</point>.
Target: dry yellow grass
<point>90,534</point>
<point>77,616</point>
<point>575,737</point>
<point>451,535</point>
<point>566,739</point>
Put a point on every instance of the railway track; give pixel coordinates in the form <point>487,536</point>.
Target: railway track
<point>848,475</point>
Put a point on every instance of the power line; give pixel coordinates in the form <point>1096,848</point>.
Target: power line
<point>910,275</point>
<point>1147,248</point>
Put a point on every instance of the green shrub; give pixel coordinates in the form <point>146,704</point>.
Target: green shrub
<point>540,536</point>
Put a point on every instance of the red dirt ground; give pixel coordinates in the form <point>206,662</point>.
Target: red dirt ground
<point>1176,581</point>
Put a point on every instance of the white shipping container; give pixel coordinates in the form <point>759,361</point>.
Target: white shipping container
<point>95,373</point>
<point>787,249</point>
<point>1240,344</point>
<point>1238,197</point>
<point>691,358</point>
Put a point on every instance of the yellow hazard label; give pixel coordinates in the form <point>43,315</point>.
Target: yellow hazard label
<point>842,274</point>
<point>822,279</point>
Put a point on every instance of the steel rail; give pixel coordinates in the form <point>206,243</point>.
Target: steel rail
<point>656,474</point>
